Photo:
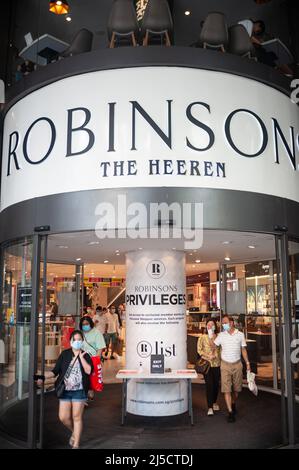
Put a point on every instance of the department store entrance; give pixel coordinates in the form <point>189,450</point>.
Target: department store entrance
<point>253,277</point>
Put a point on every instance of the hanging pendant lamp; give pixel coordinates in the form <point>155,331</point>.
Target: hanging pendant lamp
<point>59,7</point>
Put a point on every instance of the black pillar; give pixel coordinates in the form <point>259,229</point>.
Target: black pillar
<point>293,16</point>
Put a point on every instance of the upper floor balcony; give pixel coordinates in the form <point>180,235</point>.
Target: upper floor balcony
<point>256,39</point>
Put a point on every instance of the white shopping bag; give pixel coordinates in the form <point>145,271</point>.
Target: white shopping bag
<point>251,383</point>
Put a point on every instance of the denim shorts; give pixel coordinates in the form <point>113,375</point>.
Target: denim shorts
<point>74,396</point>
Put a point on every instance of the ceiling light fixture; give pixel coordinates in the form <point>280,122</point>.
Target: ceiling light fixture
<point>187,12</point>
<point>227,258</point>
<point>68,18</point>
<point>197,261</point>
<point>252,247</point>
<point>59,7</point>
<point>106,261</point>
<point>140,8</point>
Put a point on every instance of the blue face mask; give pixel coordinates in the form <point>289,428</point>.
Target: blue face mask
<point>77,344</point>
<point>86,328</point>
<point>226,326</point>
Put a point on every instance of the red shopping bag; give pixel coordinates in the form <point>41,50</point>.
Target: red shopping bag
<point>96,378</point>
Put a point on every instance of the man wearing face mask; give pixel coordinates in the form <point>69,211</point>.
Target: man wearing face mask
<point>233,347</point>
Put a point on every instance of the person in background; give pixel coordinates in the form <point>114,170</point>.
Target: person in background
<point>207,349</point>
<point>93,342</point>
<point>255,29</point>
<point>54,311</point>
<point>101,323</point>
<point>233,346</point>
<point>85,311</point>
<point>74,366</point>
<point>119,312</point>
<point>122,312</point>
<point>113,331</point>
<point>257,32</point>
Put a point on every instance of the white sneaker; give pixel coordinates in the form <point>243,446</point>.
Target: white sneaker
<point>210,412</point>
<point>216,407</point>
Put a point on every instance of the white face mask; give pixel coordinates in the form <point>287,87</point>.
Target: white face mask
<point>211,332</point>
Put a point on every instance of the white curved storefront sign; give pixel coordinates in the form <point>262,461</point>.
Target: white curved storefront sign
<point>151,127</point>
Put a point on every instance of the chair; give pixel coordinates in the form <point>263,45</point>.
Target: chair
<point>214,33</point>
<point>82,42</point>
<point>157,21</point>
<point>240,42</point>
<point>122,22</point>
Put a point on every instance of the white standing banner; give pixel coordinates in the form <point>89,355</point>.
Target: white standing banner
<point>156,325</point>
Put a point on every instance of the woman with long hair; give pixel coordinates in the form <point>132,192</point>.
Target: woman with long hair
<point>73,369</point>
<point>208,350</point>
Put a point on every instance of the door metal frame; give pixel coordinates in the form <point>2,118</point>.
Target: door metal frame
<point>32,400</point>
<point>43,343</point>
<point>40,255</point>
<point>287,335</point>
<point>35,420</point>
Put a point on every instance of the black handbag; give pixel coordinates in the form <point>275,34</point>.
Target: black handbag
<point>60,387</point>
<point>202,366</point>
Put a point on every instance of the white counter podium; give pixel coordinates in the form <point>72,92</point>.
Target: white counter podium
<point>184,374</point>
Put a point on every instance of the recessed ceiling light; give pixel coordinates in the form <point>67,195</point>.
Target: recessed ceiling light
<point>226,243</point>
<point>78,259</point>
<point>68,18</point>
<point>252,247</point>
<point>197,261</point>
<point>227,258</point>
<point>116,251</point>
<point>93,243</point>
<point>187,12</point>
<point>106,261</point>
<point>117,254</point>
<point>62,247</point>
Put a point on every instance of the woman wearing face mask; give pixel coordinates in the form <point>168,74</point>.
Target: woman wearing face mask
<point>208,351</point>
<point>73,367</point>
<point>93,342</point>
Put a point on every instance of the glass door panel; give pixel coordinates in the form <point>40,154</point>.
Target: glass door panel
<point>15,317</point>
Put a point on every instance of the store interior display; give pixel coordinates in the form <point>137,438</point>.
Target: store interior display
<point>251,292</point>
